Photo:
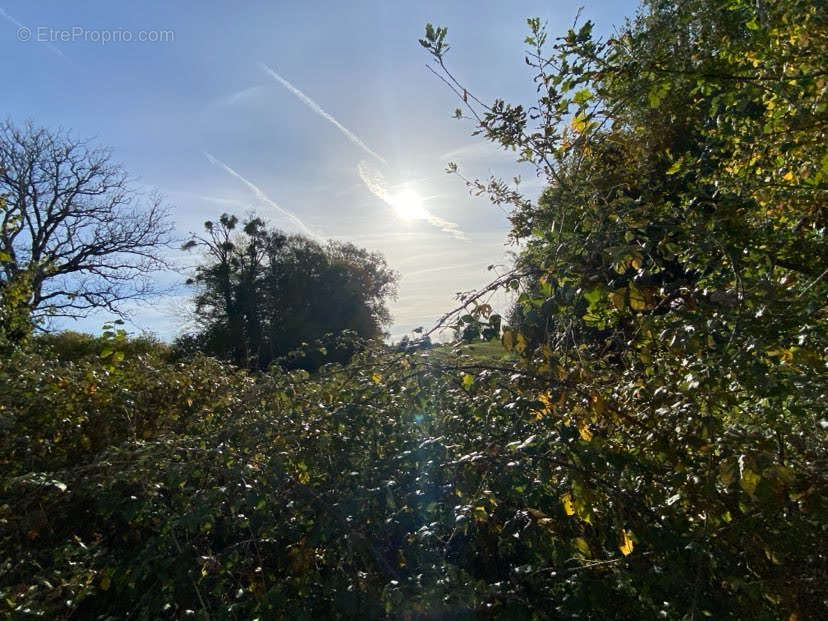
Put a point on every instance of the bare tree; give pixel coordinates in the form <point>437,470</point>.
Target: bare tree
<point>73,223</point>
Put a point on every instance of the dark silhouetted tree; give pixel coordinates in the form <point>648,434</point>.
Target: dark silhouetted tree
<point>262,294</point>
<point>73,225</point>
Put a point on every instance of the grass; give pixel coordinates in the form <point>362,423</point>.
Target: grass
<point>479,351</point>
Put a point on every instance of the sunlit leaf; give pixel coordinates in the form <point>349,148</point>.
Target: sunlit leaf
<point>625,543</point>
<point>566,501</point>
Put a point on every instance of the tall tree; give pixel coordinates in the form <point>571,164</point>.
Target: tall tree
<point>262,293</point>
<point>72,222</point>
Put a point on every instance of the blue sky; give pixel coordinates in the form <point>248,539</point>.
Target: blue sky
<point>201,117</point>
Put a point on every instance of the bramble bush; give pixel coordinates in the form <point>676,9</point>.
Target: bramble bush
<point>652,446</point>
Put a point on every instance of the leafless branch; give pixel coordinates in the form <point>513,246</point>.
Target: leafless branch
<point>73,221</point>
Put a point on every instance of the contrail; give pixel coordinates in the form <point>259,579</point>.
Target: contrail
<point>21,27</point>
<point>375,182</point>
<point>261,195</point>
<point>318,109</point>
<point>233,98</point>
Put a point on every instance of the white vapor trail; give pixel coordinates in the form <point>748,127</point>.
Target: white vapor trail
<point>375,182</point>
<point>318,109</point>
<point>261,195</point>
<point>371,177</point>
<point>21,29</point>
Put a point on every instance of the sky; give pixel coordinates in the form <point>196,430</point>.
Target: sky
<point>321,117</point>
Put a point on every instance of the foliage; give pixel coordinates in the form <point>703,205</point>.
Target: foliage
<point>16,324</point>
<point>653,446</point>
<point>69,346</point>
<point>71,223</point>
<point>262,294</point>
<point>673,291</point>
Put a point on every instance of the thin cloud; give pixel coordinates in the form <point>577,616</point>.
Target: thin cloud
<point>264,198</point>
<point>220,200</point>
<point>325,115</point>
<point>239,96</point>
<point>443,268</point>
<point>481,150</point>
<point>375,182</point>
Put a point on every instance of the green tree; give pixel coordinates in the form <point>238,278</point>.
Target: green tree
<point>262,294</point>
<point>673,279</point>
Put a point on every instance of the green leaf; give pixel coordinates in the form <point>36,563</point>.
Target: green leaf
<point>676,166</point>
<point>749,481</point>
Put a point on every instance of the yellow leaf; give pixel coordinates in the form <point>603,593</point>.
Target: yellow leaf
<point>566,501</point>
<point>788,176</point>
<point>583,430</point>
<point>548,402</point>
<point>626,543</point>
<point>618,298</point>
<point>582,545</point>
<point>376,378</point>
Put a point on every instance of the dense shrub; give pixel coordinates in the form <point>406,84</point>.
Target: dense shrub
<point>394,486</point>
<point>70,346</point>
<point>653,446</point>
<point>63,414</point>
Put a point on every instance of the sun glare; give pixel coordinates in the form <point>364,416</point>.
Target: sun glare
<point>408,205</point>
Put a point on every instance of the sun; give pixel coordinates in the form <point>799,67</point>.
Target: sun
<point>408,205</point>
